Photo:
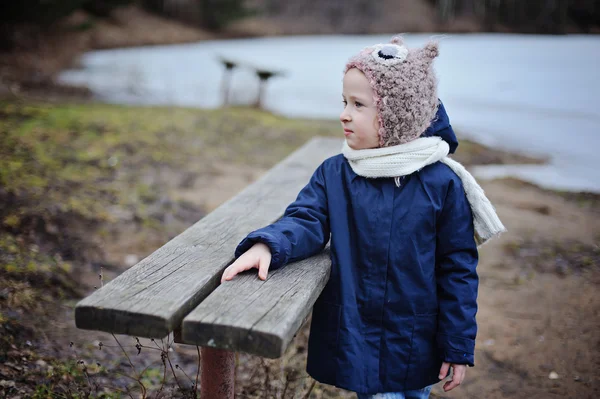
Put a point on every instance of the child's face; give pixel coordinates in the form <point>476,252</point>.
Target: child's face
<point>359,117</point>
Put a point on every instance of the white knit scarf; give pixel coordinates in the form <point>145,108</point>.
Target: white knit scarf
<point>404,159</point>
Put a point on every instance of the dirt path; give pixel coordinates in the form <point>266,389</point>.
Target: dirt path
<point>538,311</point>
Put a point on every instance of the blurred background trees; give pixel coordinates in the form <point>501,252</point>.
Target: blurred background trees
<point>208,14</point>
<point>22,21</point>
<point>540,16</point>
<point>34,17</point>
<point>49,11</point>
<point>543,16</point>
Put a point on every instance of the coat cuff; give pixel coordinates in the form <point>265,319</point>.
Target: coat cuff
<point>277,243</point>
<point>456,350</point>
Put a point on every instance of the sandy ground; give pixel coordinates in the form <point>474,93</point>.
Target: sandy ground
<point>538,322</point>
<point>533,323</point>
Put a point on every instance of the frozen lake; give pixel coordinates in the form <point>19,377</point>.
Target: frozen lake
<point>530,94</point>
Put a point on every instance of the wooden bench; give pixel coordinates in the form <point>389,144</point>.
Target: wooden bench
<point>177,288</point>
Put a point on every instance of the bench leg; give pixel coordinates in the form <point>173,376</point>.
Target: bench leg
<point>218,373</point>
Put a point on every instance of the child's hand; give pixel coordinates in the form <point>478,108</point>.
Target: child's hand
<point>259,256</point>
<point>458,375</point>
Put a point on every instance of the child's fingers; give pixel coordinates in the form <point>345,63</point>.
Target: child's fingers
<point>227,274</point>
<point>460,372</point>
<point>458,375</point>
<point>450,385</point>
<point>240,265</point>
<point>444,370</point>
<point>234,269</point>
<point>263,267</point>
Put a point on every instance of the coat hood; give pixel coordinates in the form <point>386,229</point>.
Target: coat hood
<point>441,127</point>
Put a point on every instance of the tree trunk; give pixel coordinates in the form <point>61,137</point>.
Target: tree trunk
<point>445,9</point>
<point>563,8</point>
<point>492,11</point>
<point>207,14</point>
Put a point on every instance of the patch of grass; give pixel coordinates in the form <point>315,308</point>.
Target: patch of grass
<point>472,153</point>
<point>35,377</point>
<point>30,277</point>
<point>65,165</point>
<point>561,258</point>
<point>583,199</point>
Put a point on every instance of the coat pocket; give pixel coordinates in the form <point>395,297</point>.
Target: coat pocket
<point>396,348</point>
<point>424,357</point>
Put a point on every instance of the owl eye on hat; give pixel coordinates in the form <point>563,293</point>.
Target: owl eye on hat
<point>404,86</point>
<point>389,54</point>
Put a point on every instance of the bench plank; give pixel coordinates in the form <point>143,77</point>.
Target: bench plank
<point>260,317</point>
<point>151,298</point>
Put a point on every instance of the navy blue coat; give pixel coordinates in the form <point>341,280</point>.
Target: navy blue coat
<point>402,293</point>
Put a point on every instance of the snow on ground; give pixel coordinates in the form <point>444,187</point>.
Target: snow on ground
<point>530,94</point>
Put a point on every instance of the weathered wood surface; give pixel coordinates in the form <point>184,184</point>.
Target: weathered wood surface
<point>151,298</point>
<point>260,317</point>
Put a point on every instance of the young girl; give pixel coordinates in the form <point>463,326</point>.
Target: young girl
<point>399,308</point>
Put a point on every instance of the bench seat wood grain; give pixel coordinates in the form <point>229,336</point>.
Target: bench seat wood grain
<point>249,315</point>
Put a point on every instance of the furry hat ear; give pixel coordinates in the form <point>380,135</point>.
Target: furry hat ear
<point>431,50</point>
<point>397,40</point>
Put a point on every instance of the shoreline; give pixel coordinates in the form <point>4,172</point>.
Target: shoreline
<point>476,155</point>
<point>487,162</point>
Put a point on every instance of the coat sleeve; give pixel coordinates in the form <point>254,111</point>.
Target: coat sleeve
<point>301,232</point>
<point>457,280</point>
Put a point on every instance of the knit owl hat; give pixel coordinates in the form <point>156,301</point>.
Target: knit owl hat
<point>404,86</point>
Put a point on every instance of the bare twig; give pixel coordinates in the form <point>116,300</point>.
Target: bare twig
<point>161,341</point>
<point>163,355</point>
<point>267,371</point>
<point>129,393</point>
<point>122,391</point>
<point>125,353</point>
<point>312,386</point>
<point>197,372</point>
<point>87,378</point>
<point>132,346</point>
<point>126,376</point>
<point>285,388</point>
<point>184,373</point>
<point>171,365</point>
<point>142,387</point>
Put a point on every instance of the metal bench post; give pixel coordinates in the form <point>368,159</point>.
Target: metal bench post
<point>218,373</point>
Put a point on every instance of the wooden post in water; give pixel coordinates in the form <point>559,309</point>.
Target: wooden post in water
<point>226,82</point>
<point>263,75</point>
